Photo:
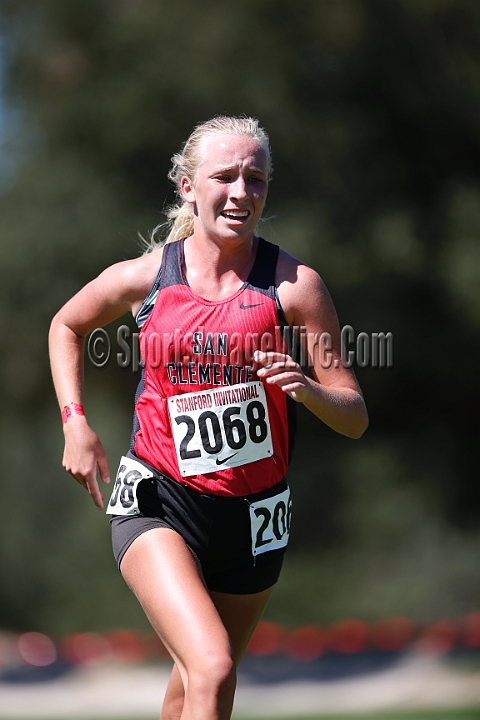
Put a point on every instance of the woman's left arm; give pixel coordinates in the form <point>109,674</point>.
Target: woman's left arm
<point>334,394</point>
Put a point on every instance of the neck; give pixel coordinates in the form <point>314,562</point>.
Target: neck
<point>217,270</point>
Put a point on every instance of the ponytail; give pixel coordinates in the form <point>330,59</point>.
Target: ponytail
<point>178,225</point>
<point>181,218</point>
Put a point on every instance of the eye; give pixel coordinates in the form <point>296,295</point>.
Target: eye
<point>224,178</point>
<point>257,183</point>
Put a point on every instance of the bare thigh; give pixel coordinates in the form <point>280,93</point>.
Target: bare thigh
<point>166,578</point>
<point>240,615</point>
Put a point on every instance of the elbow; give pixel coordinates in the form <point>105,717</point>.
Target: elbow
<point>59,332</point>
<point>54,328</point>
<point>56,321</point>
<point>360,425</point>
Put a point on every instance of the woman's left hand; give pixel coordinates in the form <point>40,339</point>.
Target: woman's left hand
<point>282,370</point>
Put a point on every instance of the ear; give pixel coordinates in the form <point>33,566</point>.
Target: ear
<point>186,187</point>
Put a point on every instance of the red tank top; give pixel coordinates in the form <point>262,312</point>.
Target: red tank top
<point>202,416</point>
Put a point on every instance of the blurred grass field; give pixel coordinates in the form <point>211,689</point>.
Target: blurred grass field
<point>464,714</point>
<point>473,714</point>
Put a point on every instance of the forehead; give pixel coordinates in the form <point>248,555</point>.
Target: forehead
<point>223,150</point>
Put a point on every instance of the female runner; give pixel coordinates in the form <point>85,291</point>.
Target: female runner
<point>200,510</point>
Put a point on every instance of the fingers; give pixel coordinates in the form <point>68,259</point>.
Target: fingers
<point>269,358</point>
<point>94,491</point>
<point>282,370</point>
<point>103,467</point>
<point>276,364</point>
<point>88,480</point>
<point>82,455</point>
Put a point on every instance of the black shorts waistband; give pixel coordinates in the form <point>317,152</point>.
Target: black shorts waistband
<point>251,498</point>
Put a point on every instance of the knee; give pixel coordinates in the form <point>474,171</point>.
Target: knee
<point>224,669</point>
<point>215,674</point>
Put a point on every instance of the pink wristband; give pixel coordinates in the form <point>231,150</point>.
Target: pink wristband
<point>72,409</point>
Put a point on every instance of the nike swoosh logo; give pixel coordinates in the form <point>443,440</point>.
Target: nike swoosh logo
<point>247,307</point>
<point>220,462</point>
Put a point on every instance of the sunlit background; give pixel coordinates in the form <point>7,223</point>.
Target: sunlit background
<point>373,109</point>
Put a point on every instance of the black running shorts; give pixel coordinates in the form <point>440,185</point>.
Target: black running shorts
<point>217,529</point>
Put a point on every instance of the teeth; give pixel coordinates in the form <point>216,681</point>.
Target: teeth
<point>236,213</point>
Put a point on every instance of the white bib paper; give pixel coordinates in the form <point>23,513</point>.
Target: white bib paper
<point>220,428</point>
<point>270,522</point>
<point>124,494</point>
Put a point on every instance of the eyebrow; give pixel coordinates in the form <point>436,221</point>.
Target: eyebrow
<point>223,168</point>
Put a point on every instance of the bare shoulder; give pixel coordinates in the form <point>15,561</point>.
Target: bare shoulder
<point>132,279</point>
<point>119,289</point>
<point>302,293</point>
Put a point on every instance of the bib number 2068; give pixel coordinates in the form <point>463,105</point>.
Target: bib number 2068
<point>220,428</point>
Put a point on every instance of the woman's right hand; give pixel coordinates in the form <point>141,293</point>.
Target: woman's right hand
<point>83,454</point>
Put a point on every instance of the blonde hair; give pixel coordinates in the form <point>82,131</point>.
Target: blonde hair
<point>179,222</point>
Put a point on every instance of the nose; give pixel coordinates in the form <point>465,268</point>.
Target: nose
<point>238,189</point>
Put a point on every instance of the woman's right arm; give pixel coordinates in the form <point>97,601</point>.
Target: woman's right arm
<point>119,289</point>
